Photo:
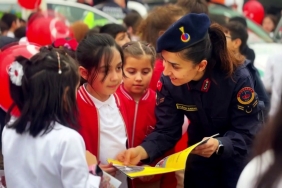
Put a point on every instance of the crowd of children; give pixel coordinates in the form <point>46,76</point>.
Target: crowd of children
<point>95,93</point>
<point>114,109</point>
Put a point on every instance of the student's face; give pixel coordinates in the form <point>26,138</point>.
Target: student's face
<point>267,24</point>
<point>138,72</point>
<point>103,89</point>
<point>122,38</point>
<point>16,24</point>
<point>232,44</point>
<point>181,71</point>
<point>229,41</point>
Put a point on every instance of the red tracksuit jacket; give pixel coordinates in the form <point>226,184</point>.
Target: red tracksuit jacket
<point>141,122</point>
<point>89,120</point>
<point>158,70</point>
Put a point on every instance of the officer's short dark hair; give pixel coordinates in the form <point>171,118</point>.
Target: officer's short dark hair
<point>9,18</point>
<point>113,29</point>
<point>238,31</point>
<point>193,6</point>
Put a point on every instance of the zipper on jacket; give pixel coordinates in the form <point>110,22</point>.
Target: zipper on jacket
<point>134,122</point>
<point>124,128</point>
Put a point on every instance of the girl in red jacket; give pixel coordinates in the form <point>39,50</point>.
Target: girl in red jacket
<point>140,102</point>
<point>101,115</point>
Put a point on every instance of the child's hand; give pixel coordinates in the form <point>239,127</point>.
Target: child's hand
<point>132,156</point>
<point>109,168</point>
<point>146,178</point>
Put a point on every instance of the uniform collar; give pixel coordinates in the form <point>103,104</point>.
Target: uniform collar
<point>202,85</point>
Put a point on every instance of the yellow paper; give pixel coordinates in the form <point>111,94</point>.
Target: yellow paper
<point>172,163</point>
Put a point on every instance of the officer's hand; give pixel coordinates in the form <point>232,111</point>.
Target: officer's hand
<point>132,156</point>
<point>207,149</point>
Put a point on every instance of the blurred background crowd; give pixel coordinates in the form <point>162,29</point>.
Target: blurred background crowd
<point>261,18</point>
<point>253,28</point>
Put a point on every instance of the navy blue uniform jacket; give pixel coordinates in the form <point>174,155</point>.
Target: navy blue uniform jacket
<point>215,104</point>
<point>259,88</point>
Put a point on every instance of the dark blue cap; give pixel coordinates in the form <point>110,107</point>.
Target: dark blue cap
<point>189,30</point>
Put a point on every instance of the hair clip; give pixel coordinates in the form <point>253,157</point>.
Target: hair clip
<point>16,73</point>
<point>59,63</point>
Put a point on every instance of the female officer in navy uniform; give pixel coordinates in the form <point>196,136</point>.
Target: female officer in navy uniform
<point>215,91</point>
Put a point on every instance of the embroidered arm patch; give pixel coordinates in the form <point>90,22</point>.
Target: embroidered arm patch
<point>247,99</point>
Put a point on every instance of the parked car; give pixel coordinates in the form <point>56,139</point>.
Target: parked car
<point>73,11</point>
<point>258,40</point>
<point>263,45</point>
<point>139,7</point>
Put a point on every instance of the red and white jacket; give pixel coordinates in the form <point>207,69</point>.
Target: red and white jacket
<point>141,119</point>
<point>89,120</point>
<point>141,122</point>
<point>140,115</point>
<point>157,73</point>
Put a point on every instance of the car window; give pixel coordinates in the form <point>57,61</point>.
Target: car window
<point>257,34</point>
<point>74,14</point>
<point>71,10</point>
<point>254,38</point>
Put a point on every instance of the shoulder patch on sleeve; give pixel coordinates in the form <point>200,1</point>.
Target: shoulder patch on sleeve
<point>159,100</point>
<point>246,96</point>
<point>159,85</point>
